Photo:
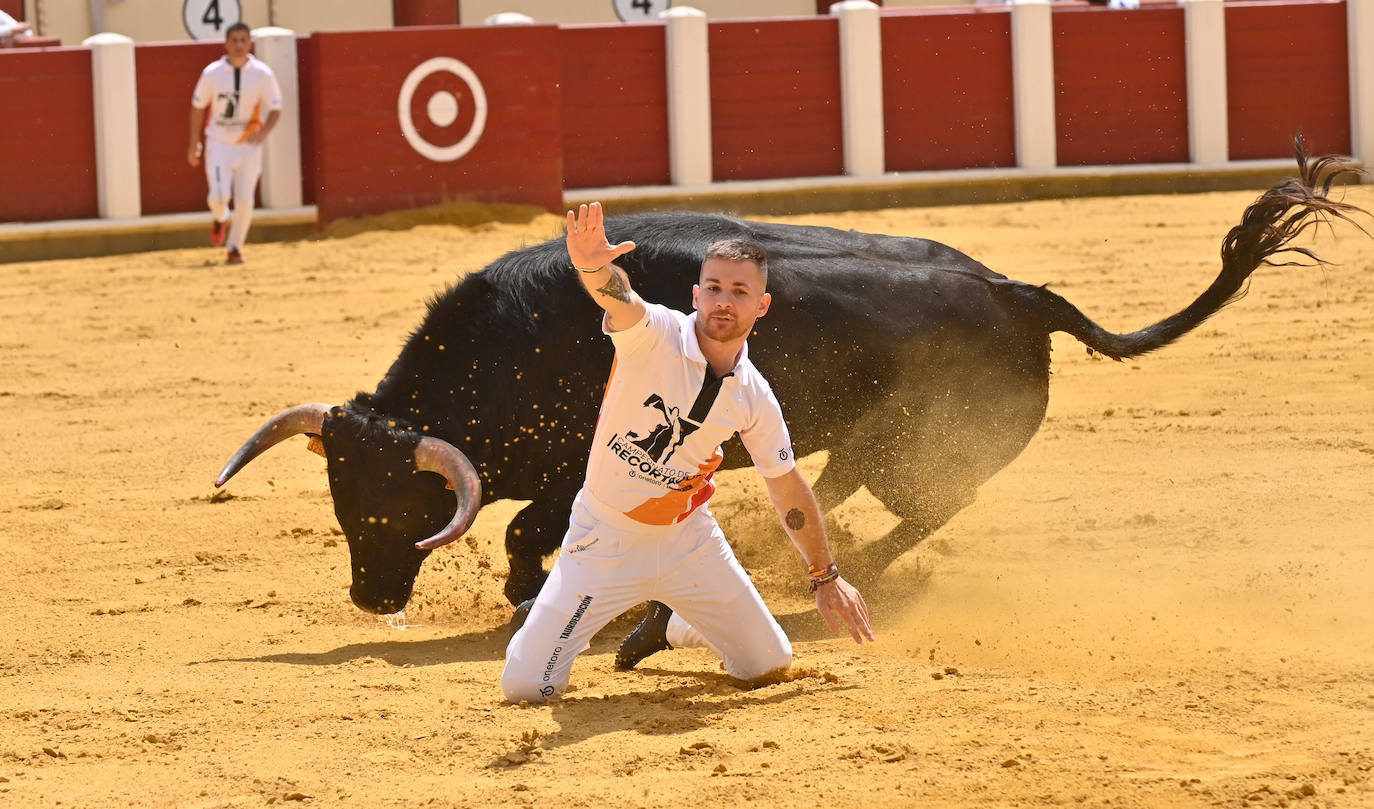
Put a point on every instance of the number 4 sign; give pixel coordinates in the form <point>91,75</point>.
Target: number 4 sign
<point>639,10</point>
<point>208,19</point>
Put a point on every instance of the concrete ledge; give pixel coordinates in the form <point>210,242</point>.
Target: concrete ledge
<point>919,189</point>
<point>78,238</point>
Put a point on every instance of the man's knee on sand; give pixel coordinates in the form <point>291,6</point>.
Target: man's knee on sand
<point>765,665</point>
<point>521,687</point>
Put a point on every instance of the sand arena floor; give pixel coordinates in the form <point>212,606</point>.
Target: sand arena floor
<point>1164,602</point>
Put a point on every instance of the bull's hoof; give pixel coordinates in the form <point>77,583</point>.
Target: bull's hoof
<point>517,619</point>
<point>650,636</point>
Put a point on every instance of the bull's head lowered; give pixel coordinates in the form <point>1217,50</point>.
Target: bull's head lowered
<point>391,508</point>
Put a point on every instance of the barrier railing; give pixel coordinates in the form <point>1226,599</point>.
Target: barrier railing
<point>383,120</point>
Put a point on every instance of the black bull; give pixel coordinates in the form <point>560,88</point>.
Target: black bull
<point>921,371</point>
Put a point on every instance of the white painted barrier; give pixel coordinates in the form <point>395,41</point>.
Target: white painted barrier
<point>1360,53</point>
<point>689,96</point>
<point>1032,66</point>
<point>861,87</point>
<point>116,125</point>
<point>281,153</point>
<point>1205,51</point>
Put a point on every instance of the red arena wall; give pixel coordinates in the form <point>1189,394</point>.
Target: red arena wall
<point>424,12</point>
<point>167,75</point>
<point>365,164</point>
<point>775,99</point>
<point>305,77</point>
<point>1286,71</point>
<point>586,106</point>
<point>947,90</point>
<point>615,105</point>
<point>49,170</point>
<point>1121,91</point>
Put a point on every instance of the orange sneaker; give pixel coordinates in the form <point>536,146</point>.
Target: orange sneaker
<point>234,257</point>
<point>218,230</point>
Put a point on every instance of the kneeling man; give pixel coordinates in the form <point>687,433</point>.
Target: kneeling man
<point>640,528</point>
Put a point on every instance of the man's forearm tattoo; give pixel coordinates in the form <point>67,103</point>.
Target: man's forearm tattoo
<point>616,287</point>
<point>796,520</point>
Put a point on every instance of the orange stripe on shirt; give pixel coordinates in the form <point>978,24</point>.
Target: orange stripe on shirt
<point>254,123</point>
<point>605,391</point>
<point>675,506</point>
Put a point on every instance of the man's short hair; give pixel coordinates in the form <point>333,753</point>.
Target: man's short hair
<point>740,250</point>
<point>238,26</point>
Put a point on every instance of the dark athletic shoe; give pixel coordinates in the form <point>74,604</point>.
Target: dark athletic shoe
<point>517,619</point>
<point>650,636</point>
<point>218,230</point>
<point>235,256</point>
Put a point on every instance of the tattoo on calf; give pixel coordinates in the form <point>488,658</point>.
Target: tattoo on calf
<point>616,287</point>
<point>796,520</point>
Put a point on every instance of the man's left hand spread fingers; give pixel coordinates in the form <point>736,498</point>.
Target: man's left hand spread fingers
<point>586,241</point>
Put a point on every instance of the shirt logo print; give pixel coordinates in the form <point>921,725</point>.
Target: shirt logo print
<point>664,439</point>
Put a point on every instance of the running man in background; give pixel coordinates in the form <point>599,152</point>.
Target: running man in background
<point>640,527</point>
<point>237,91</point>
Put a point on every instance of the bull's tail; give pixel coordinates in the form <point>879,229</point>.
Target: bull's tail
<point>1266,230</point>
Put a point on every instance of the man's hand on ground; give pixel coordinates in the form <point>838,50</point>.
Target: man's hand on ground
<point>838,602</point>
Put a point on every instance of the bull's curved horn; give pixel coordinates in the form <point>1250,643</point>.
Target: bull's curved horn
<point>441,457</point>
<point>305,418</point>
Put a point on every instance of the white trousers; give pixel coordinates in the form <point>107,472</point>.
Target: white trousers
<point>609,564</point>
<point>231,171</point>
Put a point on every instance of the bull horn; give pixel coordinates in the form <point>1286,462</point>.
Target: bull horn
<point>439,456</point>
<point>305,418</point>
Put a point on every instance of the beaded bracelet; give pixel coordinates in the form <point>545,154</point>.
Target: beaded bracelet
<point>819,577</point>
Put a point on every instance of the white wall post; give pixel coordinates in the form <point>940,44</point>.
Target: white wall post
<point>689,96</point>
<point>1204,23</point>
<point>1360,62</point>
<point>114,85</point>
<point>281,153</point>
<point>861,87</point>
<point>1032,69</point>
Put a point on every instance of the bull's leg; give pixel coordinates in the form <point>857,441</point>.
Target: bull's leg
<point>920,519</point>
<point>534,533</point>
<point>836,483</point>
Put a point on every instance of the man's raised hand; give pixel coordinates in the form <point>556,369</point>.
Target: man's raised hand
<point>587,244</point>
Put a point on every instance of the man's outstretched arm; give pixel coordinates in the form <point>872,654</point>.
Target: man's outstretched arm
<point>836,599</point>
<point>591,256</point>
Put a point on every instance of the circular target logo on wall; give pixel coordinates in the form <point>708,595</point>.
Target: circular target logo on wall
<point>208,19</point>
<point>640,10</point>
<point>442,109</point>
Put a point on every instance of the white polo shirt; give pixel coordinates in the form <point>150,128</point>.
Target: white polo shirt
<point>239,98</point>
<point>664,417</point>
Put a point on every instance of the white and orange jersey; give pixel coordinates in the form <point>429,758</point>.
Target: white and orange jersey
<point>239,98</point>
<point>665,416</point>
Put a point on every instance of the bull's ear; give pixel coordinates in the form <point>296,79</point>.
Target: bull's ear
<point>316,445</point>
